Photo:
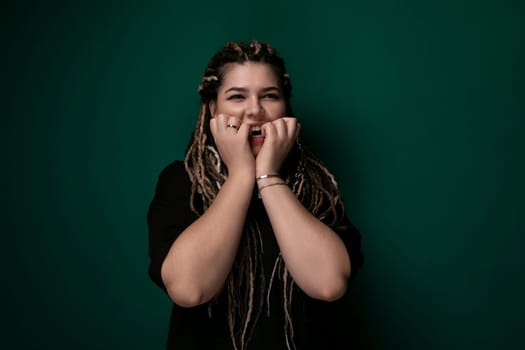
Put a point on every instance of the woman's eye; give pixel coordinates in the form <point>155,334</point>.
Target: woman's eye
<point>272,96</point>
<point>235,97</point>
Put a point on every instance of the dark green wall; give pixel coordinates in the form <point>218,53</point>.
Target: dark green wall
<point>417,106</point>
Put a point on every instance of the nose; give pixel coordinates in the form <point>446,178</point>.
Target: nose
<point>255,109</point>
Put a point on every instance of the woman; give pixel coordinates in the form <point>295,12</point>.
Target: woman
<point>248,235</point>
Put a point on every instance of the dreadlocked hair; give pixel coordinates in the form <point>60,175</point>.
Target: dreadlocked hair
<point>307,176</point>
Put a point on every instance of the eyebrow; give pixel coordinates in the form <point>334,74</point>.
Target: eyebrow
<point>241,89</point>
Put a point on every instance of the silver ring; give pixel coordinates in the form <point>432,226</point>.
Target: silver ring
<point>231,126</point>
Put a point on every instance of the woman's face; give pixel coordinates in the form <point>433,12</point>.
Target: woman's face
<point>251,93</point>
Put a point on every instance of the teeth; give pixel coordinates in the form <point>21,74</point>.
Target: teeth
<point>256,131</point>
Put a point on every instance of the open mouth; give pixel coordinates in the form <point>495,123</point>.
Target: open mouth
<point>256,131</point>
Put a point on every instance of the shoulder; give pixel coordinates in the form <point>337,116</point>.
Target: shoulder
<point>175,171</point>
<point>173,180</point>
<point>176,168</point>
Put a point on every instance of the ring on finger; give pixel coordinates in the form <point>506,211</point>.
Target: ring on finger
<point>231,126</point>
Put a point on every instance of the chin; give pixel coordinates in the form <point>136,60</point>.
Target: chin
<point>256,150</point>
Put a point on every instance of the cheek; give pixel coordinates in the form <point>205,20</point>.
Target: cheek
<point>277,111</point>
<point>229,108</point>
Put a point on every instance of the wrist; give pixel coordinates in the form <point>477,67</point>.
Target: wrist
<point>242,176</point>
<point>264,176</point>
<point>271,182</point>
<point>268,178</point>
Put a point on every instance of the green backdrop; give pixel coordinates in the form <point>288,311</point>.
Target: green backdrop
<point>417,106</point>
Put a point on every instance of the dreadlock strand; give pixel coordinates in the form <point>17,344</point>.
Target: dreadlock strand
<point>250,304</point>
<point>288,326</point>
<point>257,46</point>
<point>258,266</point>
<point>275,265</point>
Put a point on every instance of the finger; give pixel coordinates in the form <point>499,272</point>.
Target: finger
<point>297,130</point>
<point>220,121</point>
<point>233,123</point>
<point>280,127</point>
<point>244,130</point>
<point>213,126</point>
<point>292,126</point>
<point>269,130</point>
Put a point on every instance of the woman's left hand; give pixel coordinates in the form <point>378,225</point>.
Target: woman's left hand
<point>279,138</point>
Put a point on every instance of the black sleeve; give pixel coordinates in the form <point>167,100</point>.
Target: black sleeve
<point>329,324</point>
<point>168,215</point>
<point>352,241</point>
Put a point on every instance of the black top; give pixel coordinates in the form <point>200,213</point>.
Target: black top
<point>317,324</point>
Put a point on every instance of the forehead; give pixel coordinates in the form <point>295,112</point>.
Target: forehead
<point>249,74</point>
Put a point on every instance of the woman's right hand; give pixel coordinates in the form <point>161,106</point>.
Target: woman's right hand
<point>233,144</point>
